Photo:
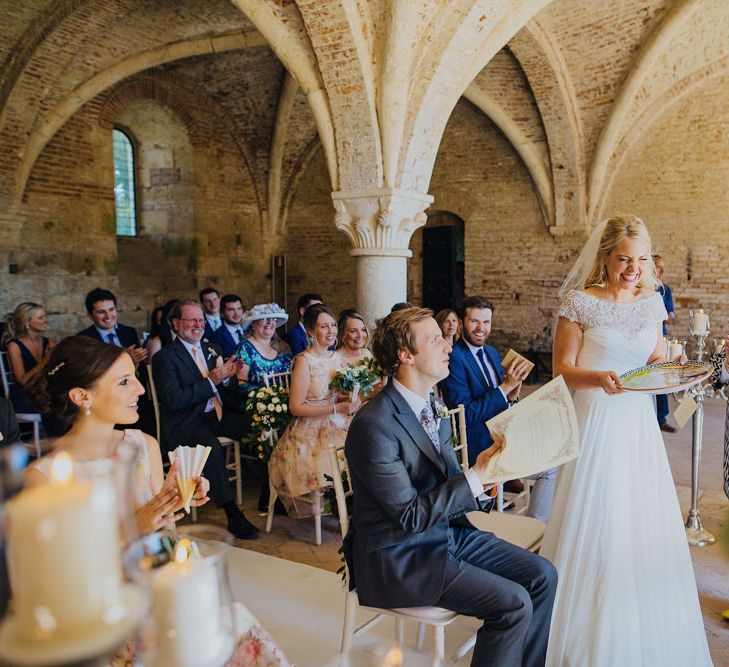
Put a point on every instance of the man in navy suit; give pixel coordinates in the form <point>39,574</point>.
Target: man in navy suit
<point>296,335</point>
<point>410,543</point>
<point>210,300</point>
<point>478,380</point>
<point>231,332</point>
<point>102,311</point>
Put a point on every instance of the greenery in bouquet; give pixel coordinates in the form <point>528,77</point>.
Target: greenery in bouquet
<point>269,410</point>
<point>366,374</point>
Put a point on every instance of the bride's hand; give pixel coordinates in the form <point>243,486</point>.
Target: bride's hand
<point>610,382</point>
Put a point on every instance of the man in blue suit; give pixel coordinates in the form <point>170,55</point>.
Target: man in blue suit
<point>296,335</point>
<point>231,332</point>
<point>210,300</point>
<point>478,380</point>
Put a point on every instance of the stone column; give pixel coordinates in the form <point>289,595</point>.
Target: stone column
<point>379,223</point>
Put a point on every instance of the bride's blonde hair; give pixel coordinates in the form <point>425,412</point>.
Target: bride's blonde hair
<point>617,228</point>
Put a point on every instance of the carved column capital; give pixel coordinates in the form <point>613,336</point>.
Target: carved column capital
<point>380,221</point>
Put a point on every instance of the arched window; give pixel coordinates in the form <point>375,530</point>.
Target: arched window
<point>125,195</point>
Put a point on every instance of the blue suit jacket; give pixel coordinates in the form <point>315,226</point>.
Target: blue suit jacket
<point>296,338</point>
<point>223,339</point>
<point>466,384</point>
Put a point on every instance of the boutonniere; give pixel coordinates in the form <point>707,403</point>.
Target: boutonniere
<point>440,408</point>
<point>211,353</point>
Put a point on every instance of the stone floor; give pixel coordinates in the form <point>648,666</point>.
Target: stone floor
<point>293,539</point>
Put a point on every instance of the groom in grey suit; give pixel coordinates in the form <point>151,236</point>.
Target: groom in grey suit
<point>410,544</point>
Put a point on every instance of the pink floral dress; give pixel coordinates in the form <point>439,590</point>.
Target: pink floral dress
<point>299,462</point>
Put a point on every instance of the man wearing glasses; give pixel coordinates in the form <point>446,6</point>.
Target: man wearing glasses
<point>195,386</point>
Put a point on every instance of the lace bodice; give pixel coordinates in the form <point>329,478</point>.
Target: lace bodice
<point>590,311</point>
<point>321,370</point>
<point>617,336</point>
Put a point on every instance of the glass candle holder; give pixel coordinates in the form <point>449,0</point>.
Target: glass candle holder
<point>699,323</point>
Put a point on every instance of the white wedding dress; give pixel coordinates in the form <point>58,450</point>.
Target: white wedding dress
<point>626,595</point>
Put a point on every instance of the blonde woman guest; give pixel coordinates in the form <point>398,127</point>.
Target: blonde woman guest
<point>28,350</point>
<point>299,461</point>
<point>449,324</point>
<point>626,593</point>
<point>353,337</point>
<point>93,387</point>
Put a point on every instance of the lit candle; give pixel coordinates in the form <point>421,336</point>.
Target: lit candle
<point>187,611</point>
<point>701,323</point>
<point>64,557</point>
<point>676,350</point>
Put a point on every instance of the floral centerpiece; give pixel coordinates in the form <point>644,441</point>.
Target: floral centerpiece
<point>269,410</point>
<point>357,379</point>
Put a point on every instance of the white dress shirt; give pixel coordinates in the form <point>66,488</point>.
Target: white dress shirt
<point>214,321</point>
<point>416,404</point>
<point>104,333</point>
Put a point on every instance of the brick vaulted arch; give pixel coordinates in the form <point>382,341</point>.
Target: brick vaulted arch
<point>170,92</point>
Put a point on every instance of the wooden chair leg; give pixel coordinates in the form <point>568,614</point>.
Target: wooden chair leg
<point>399,631</point>
<point>317,517</point>
<point>271,503</point>
<point>439,655</point>
<point>238,473</point>
<point>350,611</point>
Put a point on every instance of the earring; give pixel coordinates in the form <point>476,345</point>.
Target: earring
<point>88,409</point>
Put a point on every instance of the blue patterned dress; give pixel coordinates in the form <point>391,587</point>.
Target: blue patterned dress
<point>259,365</point>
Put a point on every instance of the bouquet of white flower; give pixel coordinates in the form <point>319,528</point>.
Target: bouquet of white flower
<point>357,379</point>
<point>269,410</point>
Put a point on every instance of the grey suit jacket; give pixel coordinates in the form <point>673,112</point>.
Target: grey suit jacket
<point>406,498</point>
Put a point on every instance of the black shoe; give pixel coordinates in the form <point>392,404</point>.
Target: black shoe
<point>667,428</point>
<point>278,508</point>
<point>241,528</point>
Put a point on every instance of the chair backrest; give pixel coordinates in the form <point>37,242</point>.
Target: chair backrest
<point>7,376</point>
<point>155,401</point>
<point>282,379</point>
<point>338,465</point>
<point>458,428</point>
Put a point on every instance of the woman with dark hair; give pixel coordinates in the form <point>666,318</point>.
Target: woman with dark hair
<point>160,332</point>
<point>93,387</point>
<point>449,324</point>
<point>299,462</point>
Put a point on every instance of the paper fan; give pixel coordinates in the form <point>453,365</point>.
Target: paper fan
<point>191,461</point>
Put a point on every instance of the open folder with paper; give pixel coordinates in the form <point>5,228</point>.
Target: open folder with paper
<point>541,433</point>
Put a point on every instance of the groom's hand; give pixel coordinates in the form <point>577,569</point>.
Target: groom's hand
<point>482,460</point>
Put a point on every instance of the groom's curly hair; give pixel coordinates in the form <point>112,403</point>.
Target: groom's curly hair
<point>393,334</point>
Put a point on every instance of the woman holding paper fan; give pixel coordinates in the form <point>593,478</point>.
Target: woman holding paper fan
<point>626,593</point>
<point>93,387</point>
<point>299,462</point>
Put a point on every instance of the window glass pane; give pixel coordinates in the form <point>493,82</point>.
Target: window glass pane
<point>124,193</point>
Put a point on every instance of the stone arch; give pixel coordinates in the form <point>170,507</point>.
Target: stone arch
<point>166,90</point>
<point>652,114</point>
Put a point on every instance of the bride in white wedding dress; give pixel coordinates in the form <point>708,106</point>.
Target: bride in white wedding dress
<point>626,595</point>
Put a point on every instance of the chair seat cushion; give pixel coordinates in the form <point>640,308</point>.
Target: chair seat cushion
<point>523,531</point>
<point>425,614</point>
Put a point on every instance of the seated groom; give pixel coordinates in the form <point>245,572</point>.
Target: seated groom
<point>195,386</point>
<point>409,543</point>
<point>231,333</point>
<point>478,381</point>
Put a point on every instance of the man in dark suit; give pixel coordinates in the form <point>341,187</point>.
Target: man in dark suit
<point>101,308</point>
<point>410,544</point>
<point>230,334</point>
<point>210,300</point>
<point>296,336</point>
<point>195,387</point>
<point>478,380</point>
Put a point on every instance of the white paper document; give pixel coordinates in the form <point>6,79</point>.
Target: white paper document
<point>541,433</point>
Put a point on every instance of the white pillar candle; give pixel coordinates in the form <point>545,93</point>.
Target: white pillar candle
<point>187,611</point>
<point>676,350</point>
<point>701,323</point>
<point>64,557</point>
